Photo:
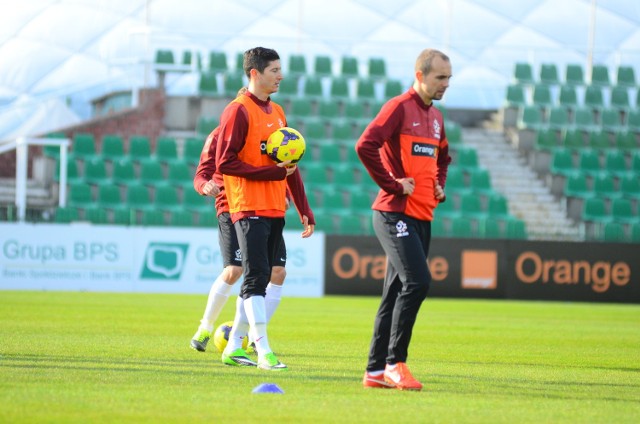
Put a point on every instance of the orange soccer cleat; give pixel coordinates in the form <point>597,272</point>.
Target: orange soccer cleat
<point>376,381</point>
<point>400,376</point>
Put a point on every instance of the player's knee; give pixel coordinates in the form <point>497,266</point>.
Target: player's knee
<point>278,274</point>
<point>231,273</point>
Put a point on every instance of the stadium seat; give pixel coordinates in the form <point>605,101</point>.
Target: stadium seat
<point>73,174</point>
<point>604,187</point>
<point>616,164</point>
<point>193,201</point>
<point>297,65</point>
<point>339,88</point>
<point>437,228</point>
<point>620,98</point>
<point>600,76</point>
<point>239,64</point>
<point>633,120</point>
<point>549,74</point>
<point>192,149</point>
<point>523,73</point>
<point>349,67</point>
<point>138,197</point>
<point>635,232</point>
<point>377,68</point>
<point>164,57</point>
<point>542,96</point>
<point>530,118</point>
<point>330,154</point>
<point>207,219</point>
<point>83,147</point>
<point>359,201</point>
<point>489,228</point>
<point>205,125</point>
<point>123,172</point>
<point>166,149</point>
<point>626,141</point>
<point>344,175</point>
<point>547,140</point>
<point>516,229</point>
<point>599,140</point>
<point>481,182</point>
<point>613,232</point>
<point>181,218</point>
<point>453,131</point>
<point>392,88</point>
<point>65,215</point>
<point>300,111</point>
<point>288,89</point>
<point>498,206</point>
<point>350,225</point>
<point>328,110</point>
<point>515,96</point>
<point>574,74</point>
<point>109,197</point>
<point>593,97</point>
<point>194,60</point>
<point>313,88</point>
<point>96,215</point>
<point>456,181</point>
<point>315,133</point>
<point>622,211</point>
<point>595,210</point>
<point>626,76</point>
<point>342,132</point>
<point>112,147</point>
<point>577,185</point>
<point>355,111</point>
<point>208,84</point>
<point>218,62</point>
<point>561,162</point>
<point>139,148</point>
<point>630,187</point>
<point>573,140</point>
<point>568,96</point>
<point>151,172</point>
<point>179,174</point>
<point>124,216</point>
<point>95,171</point>
<point>584,119</point>
<point>612,120</point>
<point>152,218</point>
<point>80,195</point>
<point>467,159</point>
<point>471,206</point>
<point>589,162</point>
<point>461,227</point>
<point>322,66</point>
<point>558,118</point>
<point>233,83</point>
<point>365,89</point>
<point>447,209</point>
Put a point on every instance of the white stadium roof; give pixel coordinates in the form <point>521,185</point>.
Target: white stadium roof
<point>57,55</point>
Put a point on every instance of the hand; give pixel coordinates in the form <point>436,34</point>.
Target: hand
<point>408,185</point>
<point>438,191</point>
<point>210,189</point>
<point>287,165</point>
<point>308,228</point>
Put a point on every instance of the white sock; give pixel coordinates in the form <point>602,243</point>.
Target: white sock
<point>257,316</point>
<point>218,296</point>
<point>239,329</point>
<point>272,299</point>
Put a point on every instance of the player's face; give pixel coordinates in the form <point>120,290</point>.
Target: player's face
<point>435,83</point>
<point>269,80</point>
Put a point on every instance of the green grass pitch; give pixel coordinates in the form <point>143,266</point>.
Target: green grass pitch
<point>73,357</point>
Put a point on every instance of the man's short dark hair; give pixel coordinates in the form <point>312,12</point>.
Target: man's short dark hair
<point>258,58</point>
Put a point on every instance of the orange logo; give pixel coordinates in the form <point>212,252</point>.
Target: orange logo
<point>479,269</point>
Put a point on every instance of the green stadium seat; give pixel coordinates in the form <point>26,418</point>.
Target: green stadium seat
<point>547,140</point>
<point>352,158</point>
<point>207,219</point>
<point>604,187</point>
<point>456,181</point>
<point>530,118</point>
<point>313,87</point>
<point>359,200</point>
<point>138,198</point>
<point>523,73</point>
<point>342,132</point>
<point>574,74</point>
<point>542,96</point>
<point>481,182</point>
<point>179,174</point>
<point>80,195</point>
<point>471,206</point>
<point>83,147</point>
<point>315,133</point>
<point>593,97</point>
<point>392,88</point>
<point>577,185</point>
<point>194,60</point>
<point>208,84</point>
<point>622,211</point>
<point>630,187</point>
<point>109,197</point>
<point>339,88</point>
<point>467,159</point>
<point>151,172</point>
<point>613,232</point>
<point>355,111</point>
<point>328,110</point>
<point>489,228</point>
<point>164,57</point>
<point>95,171</point>
<point>205,125</point>
<point>344,175</point>
<point>166,149</point>
<point>589,162</point>
<point>626,76</point>
<point>288,89</point>
<point>350,225</point>
<point>301,111</point>
<point>192,150</point>
<point>124,216</point>
<point>599,140</point>
<point>153,218</point>
<point>239,64</point>
<point>139,148</point>
<point>612,120</point>
<point>515,96</point>
<point>549,74</point>
<point>123,172</point>
<point>616,163</point>
<point>568,97</point>
<point>626,141</point>
<point>620,98</point>
<point>167,199</point>
<point>635,232</point>
<point>112,147</point>
<point>365,89</point>
<point>322,66</point>
<point>217,62</point>
<point>96,215</point>
<point>232,84</point>
<point>584,119</point>
<point>438,228</point>
<point>600,75</point>
<point>635,162</point>
<point>377,68</point>
<point>558,118</point>
<point>314,173</point>
<point>516,229</point>
<point>73,174</point>
<point>573,139</point>
<point>349,67</point>
<point>595,210</point>
<point>453,131</point>
<point>561,162</point>
<point>297,65</point>
<point>330,154</point>
<point>633,120</point>
<point>461,227</point>
<point>181,218</point>
<point>193,201</point>
<point>498,207</point>
<point>65,215</point>
<point>447,209</point>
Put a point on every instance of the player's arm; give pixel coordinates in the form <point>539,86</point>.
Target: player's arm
<point>443,167</point>
<point>299,197</point>
<point>383,127</point>
<point>203,180</point>
<point>234,127</point>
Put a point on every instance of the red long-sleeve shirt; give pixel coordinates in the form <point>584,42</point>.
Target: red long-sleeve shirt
<point>406,139</point>
<point>207,171</point>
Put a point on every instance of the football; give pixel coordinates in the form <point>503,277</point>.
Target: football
<point>286,144</point>
<point>221,336</point>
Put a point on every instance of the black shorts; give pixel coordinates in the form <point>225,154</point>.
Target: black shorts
<point>230,248</point>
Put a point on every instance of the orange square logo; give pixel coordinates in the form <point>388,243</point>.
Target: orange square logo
<point>479,269</point>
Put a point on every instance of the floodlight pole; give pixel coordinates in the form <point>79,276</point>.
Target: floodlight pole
<point>592,37</point>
